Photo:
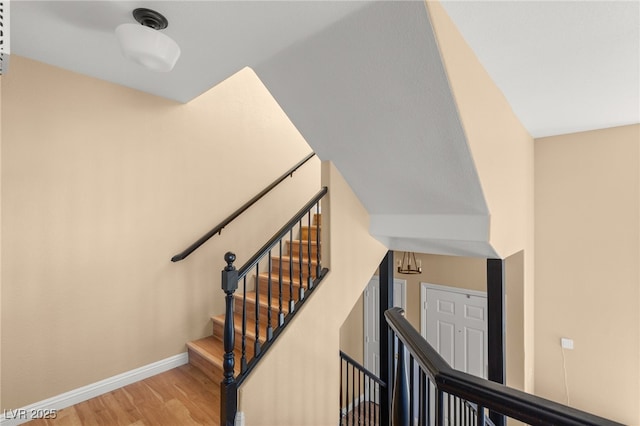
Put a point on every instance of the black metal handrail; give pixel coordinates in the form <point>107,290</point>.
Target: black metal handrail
<point>496,397</point>
<point>218,228</point>
<point>362,368</point>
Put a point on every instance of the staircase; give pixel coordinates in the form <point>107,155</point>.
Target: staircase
<point>259,315</point>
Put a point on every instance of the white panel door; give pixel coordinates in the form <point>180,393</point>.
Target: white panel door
<point>454,322</point>
<point>372,319</point>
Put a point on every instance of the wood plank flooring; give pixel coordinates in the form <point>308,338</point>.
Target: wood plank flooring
<point>181,396</point>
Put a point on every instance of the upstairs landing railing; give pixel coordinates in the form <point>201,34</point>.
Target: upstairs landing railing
<point>427,391</point>
<point>359,393</point>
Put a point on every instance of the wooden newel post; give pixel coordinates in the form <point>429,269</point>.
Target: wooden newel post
<point>228,386</point>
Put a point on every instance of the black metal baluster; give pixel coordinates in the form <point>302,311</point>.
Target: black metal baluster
<point>280,312</point>
<point>480,415</point>
<point>291,302</point>
<point>353,394</point>
<point>428,413</point>
<point>359,396</point>
<point>309,266</point>
<point>368,399</point>
<point>346,401</point>
<point>256,346</point>
<point>411,389</point>
<point>454,410</point>
<point>400,404</point>
<point>421,398</point>
<point>301,270</point>
<point>228,387</point>
<point>376,397</point>
<point>243,359</point>
<point>269,328</point>
<point>362,397</point>
<point>439,407</point>
<point>342,362</point>
<point>454,416</point>
<point>318,223</point>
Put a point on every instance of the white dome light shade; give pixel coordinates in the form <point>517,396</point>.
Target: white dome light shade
<point>148,47</point>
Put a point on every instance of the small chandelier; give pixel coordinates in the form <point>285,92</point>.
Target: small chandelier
<point>145,44</point>
<point>409,265</point>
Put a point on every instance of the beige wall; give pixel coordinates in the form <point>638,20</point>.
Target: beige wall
<point>503,154</point>
<point>101,185</point>
<point>352,332</point>
<point>305,361</point>
<point>514,320</point>
<point>587,270</point>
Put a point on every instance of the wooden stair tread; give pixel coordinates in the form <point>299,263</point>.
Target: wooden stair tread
<point>304,242</point>
<point>212,350</point>
<point>251,297</point>
<point>296,260</point>
<point>251,326</point>
<point>285,278</point>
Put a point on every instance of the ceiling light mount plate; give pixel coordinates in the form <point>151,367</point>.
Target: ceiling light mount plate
<point>150,18</point>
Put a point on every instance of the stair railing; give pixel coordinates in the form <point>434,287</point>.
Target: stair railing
<point>436,394</point>
<point>219,227</point>
<point>359,393</point>
<point>293,283</point>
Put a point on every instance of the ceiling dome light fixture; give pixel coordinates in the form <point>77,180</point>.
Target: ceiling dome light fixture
<point>145,44</point>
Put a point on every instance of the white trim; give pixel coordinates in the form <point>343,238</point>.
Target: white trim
<point>84,393</point>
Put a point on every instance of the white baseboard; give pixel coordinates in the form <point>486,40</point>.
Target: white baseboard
<point>67,399</point>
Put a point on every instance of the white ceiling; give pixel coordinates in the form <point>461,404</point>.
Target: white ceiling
<point>364,84</point>
<point>217,38</point>
<point>564,66</point>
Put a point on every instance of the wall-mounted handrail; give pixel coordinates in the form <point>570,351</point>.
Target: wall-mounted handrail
<point>511,402</point>
<point>218,228</point>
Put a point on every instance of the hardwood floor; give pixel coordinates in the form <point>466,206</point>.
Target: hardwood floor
<point>181,396</point>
